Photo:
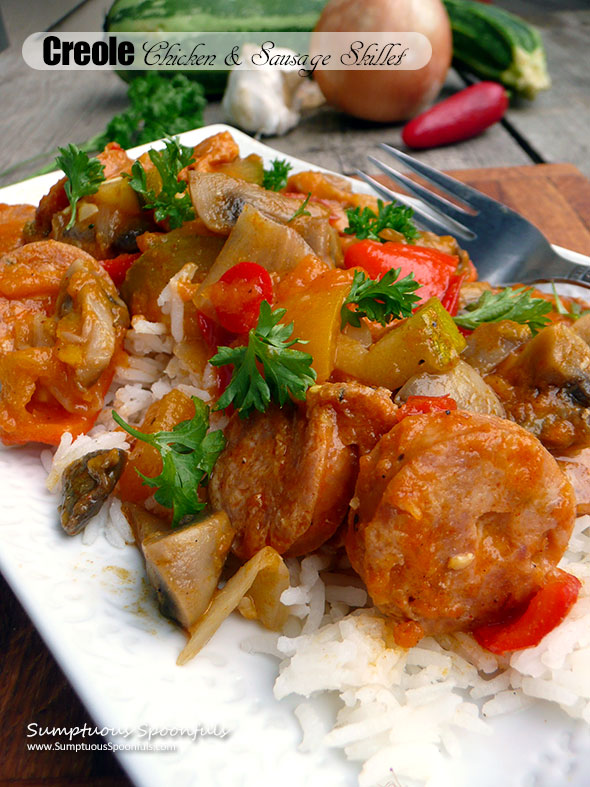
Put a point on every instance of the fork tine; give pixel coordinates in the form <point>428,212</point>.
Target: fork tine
<point>425,220</point>
<point>454,188</point>
<point>441,205</point>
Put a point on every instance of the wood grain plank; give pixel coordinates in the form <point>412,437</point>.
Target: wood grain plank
<point>33,689</point>
<point>536,195</point>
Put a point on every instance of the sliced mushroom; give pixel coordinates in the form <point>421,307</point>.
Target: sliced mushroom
<point>184,564</point>
<point>87,483</point>
<point>220,199</point>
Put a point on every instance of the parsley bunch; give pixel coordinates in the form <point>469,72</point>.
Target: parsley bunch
<point>275,178</point>
<point>366,224</point>
<point>188,455</point>
<point>159,105</point>
<point>84,176</point>
<point>508,304</point>
<point>287,372</point>
<point>383,300</point>
<point>173,202</point>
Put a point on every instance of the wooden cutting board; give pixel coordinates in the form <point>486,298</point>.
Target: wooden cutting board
<point>555,197</point>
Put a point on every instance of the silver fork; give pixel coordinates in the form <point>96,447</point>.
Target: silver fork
<point>504,247</point>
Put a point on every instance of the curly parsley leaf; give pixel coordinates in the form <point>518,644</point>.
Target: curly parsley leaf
<point>508,304</point>
<point>159,105</point>
<point>301,209</point>
<point>173,201</point>
<point>188,454</point>
<point>383,300</point>
<point>287,372</point>
<point>275,178</point>
<point>84,176</point>
<point>366,224</point>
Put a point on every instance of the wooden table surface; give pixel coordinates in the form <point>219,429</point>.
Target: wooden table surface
<point>555,196</point>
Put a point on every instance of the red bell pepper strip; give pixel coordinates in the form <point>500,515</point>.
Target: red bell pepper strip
<point>433,269</point>
<point>117,267</point>
<point>213,334</point>
<point>421,405</point>
<point>547,608</point>
<point>238,294</point>
<point>463,115</point>
<point>451,297</point>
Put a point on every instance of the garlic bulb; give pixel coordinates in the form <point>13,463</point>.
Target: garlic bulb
<point>267,100</point>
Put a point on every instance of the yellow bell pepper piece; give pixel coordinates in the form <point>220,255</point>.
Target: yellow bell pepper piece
<point>315,314</point>
<point>428,341</point>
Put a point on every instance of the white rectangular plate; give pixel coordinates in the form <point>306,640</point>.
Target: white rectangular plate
<point>95,612</point>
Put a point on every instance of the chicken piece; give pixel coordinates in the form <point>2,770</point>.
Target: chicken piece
<point>113,158</point>
<point>457,519</point>
<point>286,477</point>
<point>91,320</point>
<point>12,222</point>
<point>545,387</point>
<point>63,325</point>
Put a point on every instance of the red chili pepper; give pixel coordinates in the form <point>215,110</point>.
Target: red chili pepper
<point>433,269</point>
<point>463,115</point>
<point>451,297</point>
<point>422,405</point>
<point>117,267</point>
<point>238,294</point>
<point>547,608</point>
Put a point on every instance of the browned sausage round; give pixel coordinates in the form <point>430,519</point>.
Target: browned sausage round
<point>456,520</point>
<point>284,479</point>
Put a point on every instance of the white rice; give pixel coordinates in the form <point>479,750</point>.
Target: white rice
<point>400,710</point>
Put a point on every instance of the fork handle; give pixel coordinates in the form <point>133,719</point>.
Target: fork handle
<point>571,271</point>
<point>553,267</point>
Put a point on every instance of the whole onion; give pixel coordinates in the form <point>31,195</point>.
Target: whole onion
<point>388,95</point>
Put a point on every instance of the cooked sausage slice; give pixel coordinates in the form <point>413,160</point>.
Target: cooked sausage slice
<point>457,519</point>
<point>284,479</point>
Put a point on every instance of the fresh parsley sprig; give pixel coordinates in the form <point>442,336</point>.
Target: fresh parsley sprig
<point>576,310</point>
<point>287,372</point>
<point>366,224</point>
<point>383,300</point>
<point>173,202</point>
<point>508,304</point>
<point>188,454</point>
<point>276,177</point>
<point>84,176</point>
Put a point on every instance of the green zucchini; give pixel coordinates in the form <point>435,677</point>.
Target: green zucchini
<point>495,44</point>
<point>209,16</point>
